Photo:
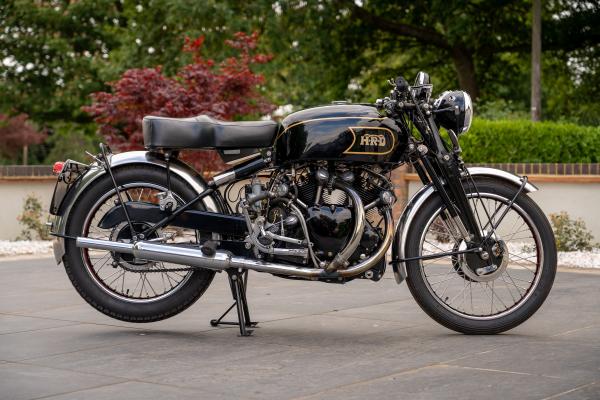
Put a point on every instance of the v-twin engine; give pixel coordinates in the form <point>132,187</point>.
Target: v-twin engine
<point>317,216</point>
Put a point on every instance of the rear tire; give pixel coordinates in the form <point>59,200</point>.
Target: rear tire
<point>456,319</point>
<point>88,285</point>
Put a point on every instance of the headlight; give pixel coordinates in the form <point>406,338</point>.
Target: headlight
<point>454,110</point>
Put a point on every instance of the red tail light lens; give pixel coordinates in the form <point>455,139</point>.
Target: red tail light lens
<point>58,167</point>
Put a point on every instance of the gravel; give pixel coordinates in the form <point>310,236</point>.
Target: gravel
<point>21,247</point>
<point>579,259</point>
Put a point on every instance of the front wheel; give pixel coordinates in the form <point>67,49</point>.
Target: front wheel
<point>450,290</point>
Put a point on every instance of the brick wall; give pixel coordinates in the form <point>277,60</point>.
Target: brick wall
<point>25,171</point>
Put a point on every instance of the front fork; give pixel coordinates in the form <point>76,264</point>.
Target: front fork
<point>446,177</point>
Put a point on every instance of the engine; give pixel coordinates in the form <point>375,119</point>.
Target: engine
<point>324,216</point>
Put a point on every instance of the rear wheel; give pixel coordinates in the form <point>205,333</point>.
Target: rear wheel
<point>117,284</point>
<point>522,248</point>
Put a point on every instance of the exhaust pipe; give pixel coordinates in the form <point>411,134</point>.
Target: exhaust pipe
<point>223,260</point>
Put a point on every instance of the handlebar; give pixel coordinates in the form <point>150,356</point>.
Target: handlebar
<point>402,99</point>
<point>390,105</point>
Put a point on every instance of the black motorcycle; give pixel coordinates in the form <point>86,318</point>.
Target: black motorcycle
<point>141,234</point>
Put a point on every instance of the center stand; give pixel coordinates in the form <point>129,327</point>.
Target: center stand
<point>238,281</point>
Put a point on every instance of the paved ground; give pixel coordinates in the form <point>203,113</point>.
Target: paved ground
<point>359,341</point>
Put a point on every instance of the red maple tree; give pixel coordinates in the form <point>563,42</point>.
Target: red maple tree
<point>223,90</point>
<point>16,132</point>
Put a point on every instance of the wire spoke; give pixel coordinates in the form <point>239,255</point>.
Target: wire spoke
<point>131,278</point>
<point>465,294</point>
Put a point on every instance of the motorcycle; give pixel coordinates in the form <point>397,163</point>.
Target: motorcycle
<point>141,234</point>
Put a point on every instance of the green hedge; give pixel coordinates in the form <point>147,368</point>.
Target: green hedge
<point>519,141</point>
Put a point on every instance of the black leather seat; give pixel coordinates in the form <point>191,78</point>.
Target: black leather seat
<point>205,132</point>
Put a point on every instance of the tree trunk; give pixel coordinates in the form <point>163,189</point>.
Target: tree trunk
<point>25,154</point>
<point>536,61</point>
<point>465,69</point>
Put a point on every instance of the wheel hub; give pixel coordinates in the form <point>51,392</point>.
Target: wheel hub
<point>122,233</point>
<point>485,265</point>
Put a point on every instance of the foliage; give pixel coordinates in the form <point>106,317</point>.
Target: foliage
<point>52,54</point>
<point>224,90</point>
<point>32,220</point>
<point>520,141</point>
<point>570,235</point>
<point>501,109</point>
<point>349,48</point>
<point>570,90</point>
<point>70,141</point>
<point>16,132</point>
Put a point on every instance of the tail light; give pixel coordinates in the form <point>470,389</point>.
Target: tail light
<point>58,167</point>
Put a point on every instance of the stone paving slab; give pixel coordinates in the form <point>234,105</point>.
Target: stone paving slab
<point>575,362</point>
<point>20,381</point>
<point>161,354</point>
<point>584,392</point>
<point>19,324</point>
<point>449,383</point>
<point>133,390</point>
<point>357,341</point>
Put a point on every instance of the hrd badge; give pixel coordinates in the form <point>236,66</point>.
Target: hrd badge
<point>371,140</point>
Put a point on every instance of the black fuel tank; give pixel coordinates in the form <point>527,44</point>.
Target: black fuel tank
<point>341,132</point>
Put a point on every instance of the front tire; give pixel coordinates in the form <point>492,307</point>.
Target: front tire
<point>459,300</point>
<point>126,301</point>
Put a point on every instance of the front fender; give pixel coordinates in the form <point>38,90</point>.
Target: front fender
<point>419,198</point>
<point>96,171</point>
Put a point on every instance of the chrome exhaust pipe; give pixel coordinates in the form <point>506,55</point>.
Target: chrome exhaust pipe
<point>341,259</point>
<point>160,252</point>
<point>223,260</point>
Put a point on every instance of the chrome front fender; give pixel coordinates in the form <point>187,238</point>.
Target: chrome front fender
<point>96,171</point>
<point>419,198</point>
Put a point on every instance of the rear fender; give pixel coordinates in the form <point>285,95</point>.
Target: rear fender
<point>179,168</point>
<point>418,199</point>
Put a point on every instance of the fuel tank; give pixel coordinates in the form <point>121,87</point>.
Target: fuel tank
<point>341,132</point>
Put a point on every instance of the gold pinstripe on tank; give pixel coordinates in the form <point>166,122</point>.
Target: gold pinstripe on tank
<point>324,119</point>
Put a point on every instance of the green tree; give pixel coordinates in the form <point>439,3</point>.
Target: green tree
<point>70,141</point>
<point>51,54</point>
<point>54,53</point>
<point>475,38</point>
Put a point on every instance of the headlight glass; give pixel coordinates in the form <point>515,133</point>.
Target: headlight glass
<point>454,110</point>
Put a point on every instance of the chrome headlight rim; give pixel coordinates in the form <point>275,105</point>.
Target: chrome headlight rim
<point>454,111</point>
<point>468,113</point>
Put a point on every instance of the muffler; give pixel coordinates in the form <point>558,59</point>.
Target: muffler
<point>222,260</point>
<point>187,256</point>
